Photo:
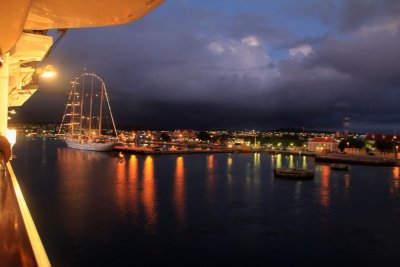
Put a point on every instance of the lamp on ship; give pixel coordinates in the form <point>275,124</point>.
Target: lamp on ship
<point>47,72</point>
<point>11,136</point>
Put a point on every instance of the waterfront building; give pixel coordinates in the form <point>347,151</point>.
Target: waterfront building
<point>183,135</point>
<point>322,144</point>
<point>372,138</point>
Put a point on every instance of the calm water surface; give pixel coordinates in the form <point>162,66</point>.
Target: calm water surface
<point>92,209</point>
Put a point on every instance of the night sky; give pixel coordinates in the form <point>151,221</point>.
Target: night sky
<point>240,64</point>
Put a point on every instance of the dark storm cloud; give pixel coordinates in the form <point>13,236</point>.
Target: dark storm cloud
<point>349,15</point>
<point>368,58</point>
<point>196,68</point>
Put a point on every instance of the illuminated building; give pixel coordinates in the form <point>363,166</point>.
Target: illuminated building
<point>322,144</point>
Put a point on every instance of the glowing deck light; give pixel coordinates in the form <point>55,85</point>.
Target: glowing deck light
<point>12,136</point>
<point>47,72</point>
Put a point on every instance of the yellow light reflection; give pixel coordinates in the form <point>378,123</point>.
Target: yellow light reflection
<point>229,163</point>
<point>291,161</point>
<point>304,162</point>
<point>278,161</point>
<point>272,161</point>
<point>324,189</point>
<point>149,194</point>
<point>179,190</point>
<point>256,160</point>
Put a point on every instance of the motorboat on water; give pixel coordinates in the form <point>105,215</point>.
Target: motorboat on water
<point>293,173</point>
<point>340,167</point>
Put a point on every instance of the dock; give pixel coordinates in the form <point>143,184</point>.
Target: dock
<point>357,159</point>
<point>147,150</point>
<point>326,158</point>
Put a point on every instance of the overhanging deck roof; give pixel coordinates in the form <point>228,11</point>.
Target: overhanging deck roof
<point>17,15</point>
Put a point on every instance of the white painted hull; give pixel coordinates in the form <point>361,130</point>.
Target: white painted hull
<point>93,146</point>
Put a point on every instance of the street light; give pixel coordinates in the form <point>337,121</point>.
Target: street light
<point>255,138</point>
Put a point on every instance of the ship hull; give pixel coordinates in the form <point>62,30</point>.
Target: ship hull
<point>92,146</point>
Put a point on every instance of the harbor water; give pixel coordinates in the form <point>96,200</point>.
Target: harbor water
<point>95,209</point>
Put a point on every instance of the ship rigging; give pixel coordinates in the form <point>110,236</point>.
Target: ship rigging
<point>86,113</point>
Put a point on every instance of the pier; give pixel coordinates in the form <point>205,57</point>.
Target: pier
<point>327,158</point>
<point>357,159</point>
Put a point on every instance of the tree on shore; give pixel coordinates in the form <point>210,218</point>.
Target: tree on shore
<point>165,137</point>
<point>351,143</point>
<point>204,136</point>
<point>384,146</point>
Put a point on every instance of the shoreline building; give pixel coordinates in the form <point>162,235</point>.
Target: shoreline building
<point>322,144</point>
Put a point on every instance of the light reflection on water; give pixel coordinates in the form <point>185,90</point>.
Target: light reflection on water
<point>179,190</point>
<point>324,190</point>
<point>396,181</point>
<point>210,177</point>
<point>231,206</point>
<point>149,194</point>
<point>133,182</point>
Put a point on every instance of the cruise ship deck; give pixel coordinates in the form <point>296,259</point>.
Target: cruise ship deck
<point>24,46</point>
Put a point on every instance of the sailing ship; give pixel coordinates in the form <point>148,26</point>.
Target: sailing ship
<point>86,113</point>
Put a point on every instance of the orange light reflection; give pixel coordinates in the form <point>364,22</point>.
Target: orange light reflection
<point>324,190</point>
<point>73,165</point>
<point>396,181</point>
<point>120,188</point>
<point>210,180</point>
<point>210,162</point>
<point>133,181</point>
<point>347,182</point>
<point>149,194</point>
<point>179,190</point>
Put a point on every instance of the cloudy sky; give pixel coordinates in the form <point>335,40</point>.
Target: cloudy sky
<point>240,64</point>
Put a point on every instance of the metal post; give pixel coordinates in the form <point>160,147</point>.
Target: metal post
<point>91,107</point>
<point>4,77</point>
<point>101,106</point>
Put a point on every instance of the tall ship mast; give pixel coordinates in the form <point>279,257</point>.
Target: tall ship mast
<point>88,122</point>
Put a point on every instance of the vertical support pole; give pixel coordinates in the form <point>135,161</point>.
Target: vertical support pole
<point>91,107</point>
<point>101,107</point>
<point>73,109</point>
<point>4,77</point>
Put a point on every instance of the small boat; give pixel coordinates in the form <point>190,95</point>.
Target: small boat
<point>342,167</point>
<point>293,173</point>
